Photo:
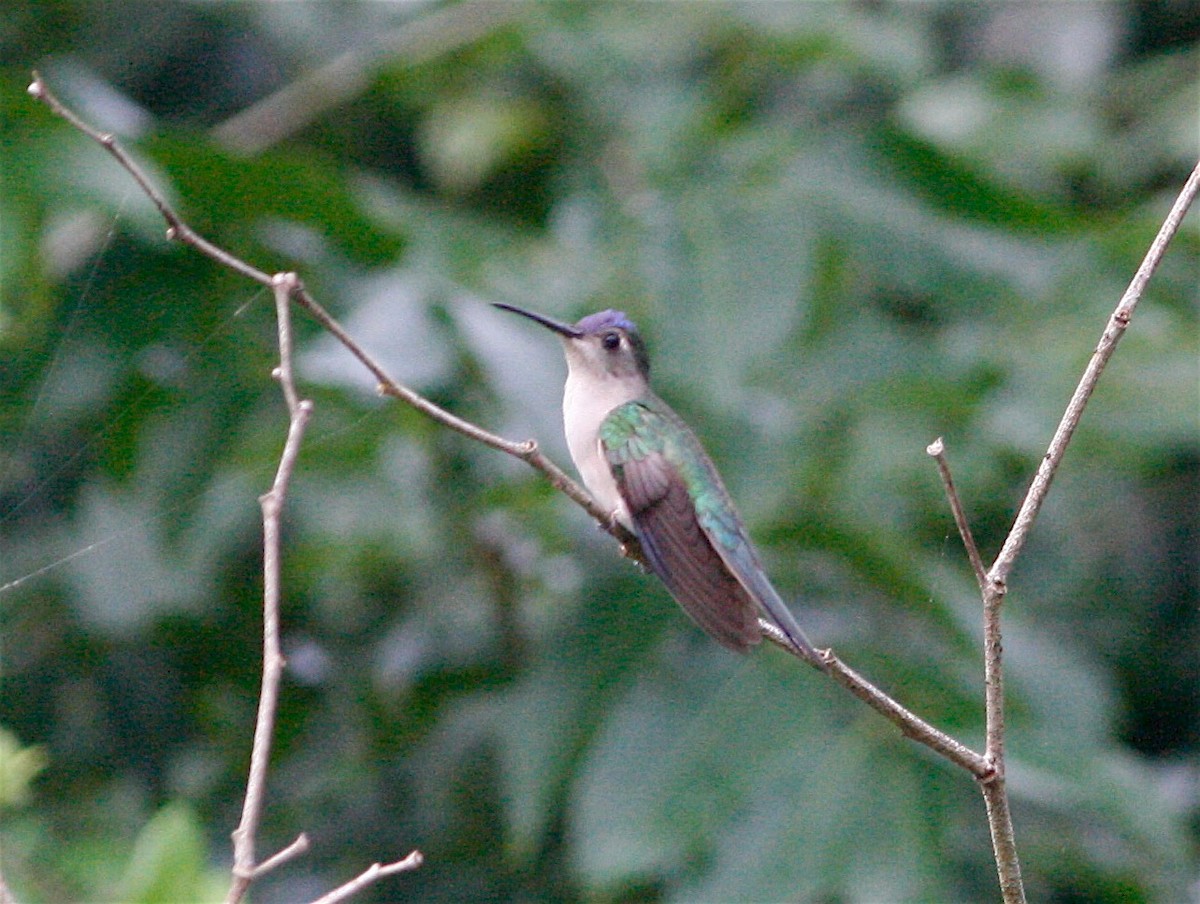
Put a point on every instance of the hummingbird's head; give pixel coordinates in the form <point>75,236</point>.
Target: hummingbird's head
<point>603,345</point>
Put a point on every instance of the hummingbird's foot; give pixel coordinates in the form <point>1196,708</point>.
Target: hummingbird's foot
<point>609,523</point>
<point>632,550</point>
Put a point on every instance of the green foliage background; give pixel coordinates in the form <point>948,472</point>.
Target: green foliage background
<point>844,229</point>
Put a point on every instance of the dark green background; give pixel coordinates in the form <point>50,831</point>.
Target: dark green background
<point>845,230</point>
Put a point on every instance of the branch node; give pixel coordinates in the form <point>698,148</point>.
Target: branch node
<point>287,280</point>
<point>243,872</point>
<point>991,773</point>
<point>172,234</point>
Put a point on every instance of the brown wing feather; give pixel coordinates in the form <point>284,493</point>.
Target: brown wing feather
<point>682,556</point>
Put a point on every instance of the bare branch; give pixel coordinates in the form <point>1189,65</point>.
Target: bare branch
<point>286,286</point>
<point>1004,846</point>
<point>992,784</point>
<point>177,230</point>
<point>1117,324</point>
<point>180,231</point>
<point>995,795</point>
<point>371,874</point>
<point>526,450</point>
<point>910,724</point>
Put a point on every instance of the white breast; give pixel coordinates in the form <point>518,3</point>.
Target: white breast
<point>584,409</point>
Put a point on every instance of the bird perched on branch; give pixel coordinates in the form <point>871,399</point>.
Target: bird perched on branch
<point>645,466</point>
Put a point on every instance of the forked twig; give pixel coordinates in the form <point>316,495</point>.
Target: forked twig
<point>285,286</point>
<point>992,784</point>
<point>245,870</point>
<point>993,582</point>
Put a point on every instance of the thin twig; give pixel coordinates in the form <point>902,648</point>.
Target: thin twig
<point>177,230</point>
<point>372,873</point>
<point>286,286</point>
<point>526,450</point>
<point>180,231</point>
<point>295,849</point>
<point>910,724</point>
<point>992,783</point>
<point>244,867</point>
<point>1004,844</point>
<point>937,449</point>
<point>1117,324</point>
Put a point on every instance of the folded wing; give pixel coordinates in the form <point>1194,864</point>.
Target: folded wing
<point>677,547</point>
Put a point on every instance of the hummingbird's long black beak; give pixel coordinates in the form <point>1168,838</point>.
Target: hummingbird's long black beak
<point>563,329</point>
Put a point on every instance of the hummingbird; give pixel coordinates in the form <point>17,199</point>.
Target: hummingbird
<point>645,466</point>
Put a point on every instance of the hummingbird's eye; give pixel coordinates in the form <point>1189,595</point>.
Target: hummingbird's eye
<point>610,340</point>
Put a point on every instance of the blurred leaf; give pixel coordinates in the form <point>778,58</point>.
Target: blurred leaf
<point>19,766</point>
<point>467,141</point>
<point>218,189</point>
<point>954,187</point>
<point>851,821</point>
<point>547,723</point>
<point>169,863</point>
